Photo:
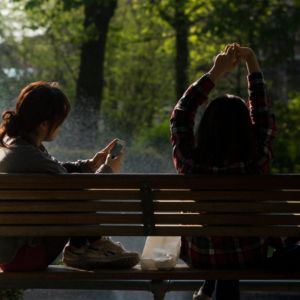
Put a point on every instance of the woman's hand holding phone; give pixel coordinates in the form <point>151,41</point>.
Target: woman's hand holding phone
<point>115,157</point>
<point>117,148</point>
<point>101,156</point>
<point>114,163</point>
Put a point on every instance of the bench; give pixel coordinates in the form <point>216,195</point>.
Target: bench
<point>143,205</point>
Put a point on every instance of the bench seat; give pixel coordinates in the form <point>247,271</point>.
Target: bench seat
<point>182,278</point>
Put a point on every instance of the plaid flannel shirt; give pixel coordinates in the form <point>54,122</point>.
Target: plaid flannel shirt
<point>210,252</point>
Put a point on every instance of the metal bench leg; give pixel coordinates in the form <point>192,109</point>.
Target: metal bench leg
<point>159,295</point>
<point>158,289</point>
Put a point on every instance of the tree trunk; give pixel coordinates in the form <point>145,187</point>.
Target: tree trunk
<point>181,26</point>
<point>90,82</point>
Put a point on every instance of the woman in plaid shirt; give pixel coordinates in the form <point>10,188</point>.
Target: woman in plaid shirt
<point>232,138</point>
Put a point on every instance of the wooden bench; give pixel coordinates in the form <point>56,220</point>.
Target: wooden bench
<point>142,205</point>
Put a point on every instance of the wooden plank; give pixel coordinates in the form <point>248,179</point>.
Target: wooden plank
<point>213,195</point>
<point>69,206</point>
<point>181,272</point>
<point>156,181</point>
<point>166,206</point>
<point>227,219</point>
<point>72,230</point>
<point>214,206</point>
<point>274,285</point>
<point>70,218</point>
<point>161,206</point>
<point>163,230</point>
<point>238,231</point>
<point>83,195</point>
<point>126,194</point>
<point>128,218</point>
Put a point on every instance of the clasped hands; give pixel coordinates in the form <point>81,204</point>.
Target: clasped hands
<point>228,59</point>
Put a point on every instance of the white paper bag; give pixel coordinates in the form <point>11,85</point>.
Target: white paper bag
<point>160,252</point>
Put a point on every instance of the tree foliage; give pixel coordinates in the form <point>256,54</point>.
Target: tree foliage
<point>269,26</point>
<point>287,144</point>
<point>153,50</point>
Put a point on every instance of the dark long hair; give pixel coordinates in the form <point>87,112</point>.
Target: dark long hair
<point>224,133</point>
<point>38,102</point>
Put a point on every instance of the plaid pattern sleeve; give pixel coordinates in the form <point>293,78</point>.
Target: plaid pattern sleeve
<point>263,121</point>
<point>182,123</point>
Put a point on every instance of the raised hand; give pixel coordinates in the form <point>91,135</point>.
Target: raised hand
<point>101,156</point>
<point>225,61</point>
<point>249,56</point>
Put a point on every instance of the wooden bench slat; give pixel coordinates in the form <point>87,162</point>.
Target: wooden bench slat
<point>250,207</point>
<point>138,230</point>
<point>168,218</point>
<point>126,194</point>
<point>159,206</point>
<point>238,231</point>
<point>83,195</point>
<point>72,230</point>
<point>68,206</point>
<point>215,195</point>
<point>156,181</point>
<point>182,272</point>
<point>122,206</point>
<point>70,218</point>
<point>228,219</point>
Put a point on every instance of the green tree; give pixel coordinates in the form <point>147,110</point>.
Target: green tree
<point>139,83</point>
<point>150,50</point>
<point>181,15</point>
<point>258,24</point>
<point>88,40</point>
<point>287,142</point>
<point>90,82</point>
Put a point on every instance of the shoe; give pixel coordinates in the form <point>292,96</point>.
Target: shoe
<point>106,253</point>
<point>72,256</point>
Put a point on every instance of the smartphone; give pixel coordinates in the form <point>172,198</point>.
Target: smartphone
<point>117,148</point>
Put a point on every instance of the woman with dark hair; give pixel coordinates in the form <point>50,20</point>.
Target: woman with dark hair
<point>40,110</point>
<point>232,138</point>
<point>39,105</point>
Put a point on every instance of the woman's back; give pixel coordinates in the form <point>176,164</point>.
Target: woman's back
<point>231,139</point>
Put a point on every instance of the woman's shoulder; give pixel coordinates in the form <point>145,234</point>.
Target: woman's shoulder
<point>21,156</point>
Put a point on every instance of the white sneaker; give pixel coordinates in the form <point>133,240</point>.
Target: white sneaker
<point>107,253</point>
<point>73,256</point>
<point>103,253</point>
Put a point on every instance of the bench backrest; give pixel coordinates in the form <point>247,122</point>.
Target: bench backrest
<point>149,204</point>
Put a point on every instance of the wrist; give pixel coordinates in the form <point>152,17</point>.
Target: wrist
<point>104,168</point>
<point>252,64</point>
<point>92,166</point>
<point>214,74</point>
<point>249,55</point>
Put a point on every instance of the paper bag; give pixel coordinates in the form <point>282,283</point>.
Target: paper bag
<point>160,252</point>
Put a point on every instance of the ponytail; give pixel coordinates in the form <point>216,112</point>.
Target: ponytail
<point>10,126</point>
